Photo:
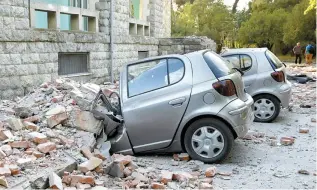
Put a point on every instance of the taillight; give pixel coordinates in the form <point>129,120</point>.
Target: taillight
<point>278,76</point>
<point>225,87</point>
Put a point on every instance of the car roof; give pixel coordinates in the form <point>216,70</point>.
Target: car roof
<point>244,50</point>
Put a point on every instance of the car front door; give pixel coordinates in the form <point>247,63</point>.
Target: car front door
<point>155,95</point>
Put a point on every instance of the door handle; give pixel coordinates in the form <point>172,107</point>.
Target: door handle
<point>177,102</point>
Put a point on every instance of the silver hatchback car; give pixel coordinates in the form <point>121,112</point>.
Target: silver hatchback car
<point>174,103</point>
<point>264,79</point>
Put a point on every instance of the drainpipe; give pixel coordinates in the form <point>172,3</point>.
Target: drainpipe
<point>111,40</point>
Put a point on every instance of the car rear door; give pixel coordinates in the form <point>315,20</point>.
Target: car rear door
<point>155,94</point>
<point>248,64</point>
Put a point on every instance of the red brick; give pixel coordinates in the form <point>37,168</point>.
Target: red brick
<point>98,154</point>
<point>86,152</point>
<point>5,134</point>
<point>46,147</point>
<point>166,177</point>
<point>89,165</point>
<point>32,119</point>
<point>31,126</point>
<point>4,171</point>
<point>38,138</point>
<point>3,182</point>
<point>133,183</point>
<point>99,169</point>
<point>157,186</point>
<point>210,172</point>
<point>74,179</point>
<point>19,144</point>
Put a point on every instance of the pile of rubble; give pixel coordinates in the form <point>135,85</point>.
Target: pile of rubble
<point>48,140</point>
<point>303,95</point>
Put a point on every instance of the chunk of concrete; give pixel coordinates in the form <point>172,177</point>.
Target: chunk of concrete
<point>3,181</point>
<point>86,121</point>
<point>56,116</point>
<point>89,165</point>
<point>15,124</point>
<point>5,134</point>
<point>55,181</point>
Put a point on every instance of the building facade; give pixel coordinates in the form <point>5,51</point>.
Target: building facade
<point>41,40</point>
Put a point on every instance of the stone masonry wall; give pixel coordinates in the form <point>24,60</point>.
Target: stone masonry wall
<point>185,45</point>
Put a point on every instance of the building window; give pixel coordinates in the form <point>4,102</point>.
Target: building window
<point>45,19</point>
<point>143,54</point>
<point>89,24</point>
<point>65,22</point>
<point>135,9</point>
<point>69,3</point>
<point>72,63</point>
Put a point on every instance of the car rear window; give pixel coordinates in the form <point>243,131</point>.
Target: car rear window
<point>275,62</point>
<point>217,64</point>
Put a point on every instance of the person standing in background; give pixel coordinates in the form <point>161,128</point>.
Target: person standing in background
<point>309,53</point>
<point>298,53</point>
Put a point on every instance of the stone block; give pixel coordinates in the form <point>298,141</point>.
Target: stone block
<point>86,121</point>
<point>56,116</point>
<point>89,165</point>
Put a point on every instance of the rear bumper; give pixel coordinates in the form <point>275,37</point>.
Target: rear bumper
<point>239,114</point>
<point>285,93</point>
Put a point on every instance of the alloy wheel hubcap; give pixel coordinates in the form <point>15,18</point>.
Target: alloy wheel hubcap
<point>264,108</point>
<point>207,142</point>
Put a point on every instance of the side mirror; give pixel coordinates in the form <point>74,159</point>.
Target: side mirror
<point>239,70</point>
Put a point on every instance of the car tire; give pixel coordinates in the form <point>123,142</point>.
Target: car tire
<point>267,98</point>
<point>226,137</point>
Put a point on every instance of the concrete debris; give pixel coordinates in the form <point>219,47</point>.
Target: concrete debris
<point>287,141</point>
<point>166,177</point>
<point>55,181</point>
<point>3,181</point>
<point>15,124</point>
<point>56,116</point>
<point>89,165</point>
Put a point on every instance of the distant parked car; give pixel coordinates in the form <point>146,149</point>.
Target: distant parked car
<point>264,78</point>
<point>174,103</point>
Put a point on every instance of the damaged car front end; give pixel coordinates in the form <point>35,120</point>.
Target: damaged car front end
<point>175,103</point>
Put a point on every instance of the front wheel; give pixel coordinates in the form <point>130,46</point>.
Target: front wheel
<point>208,140</point>
<point>266,108</point>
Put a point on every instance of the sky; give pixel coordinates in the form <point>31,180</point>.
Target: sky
<point>242,3</point>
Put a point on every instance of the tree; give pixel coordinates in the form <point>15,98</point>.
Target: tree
<point>234,7</point>
<point>302,29</point>
<point>312,6</point>
<point>183,2</point>
<point>264,28</point>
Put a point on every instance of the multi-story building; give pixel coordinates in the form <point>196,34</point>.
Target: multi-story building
<point>41,40</point>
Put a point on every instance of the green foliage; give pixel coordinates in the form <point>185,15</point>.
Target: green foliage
<point>300,27</point>
<point>312,6</point>
<point>203,17</point>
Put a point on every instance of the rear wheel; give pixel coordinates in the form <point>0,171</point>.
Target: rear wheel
<point>208,140</point>
<point>266,108</point>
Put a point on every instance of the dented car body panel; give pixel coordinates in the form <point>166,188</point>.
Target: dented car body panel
<point>155,120</point>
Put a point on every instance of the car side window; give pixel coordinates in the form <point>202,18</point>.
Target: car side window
<point>147,76</point>
<point>234,60</point>
<point>245,62</point>
<point>176,70</point>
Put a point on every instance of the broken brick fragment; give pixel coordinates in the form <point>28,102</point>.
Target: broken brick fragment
<point>57,99</point>
<point>89,165</point>
<point>19,144</point>
<point>98,154</point>
<point>182,176</point>
<point>56,116</point>
<point>46,147</point>
<point>287,141</point>
<point>31,120</point>
<point>15,170</point>
<point>31,126</point>
<point>166,176</point>
<point>210,172</point>
<point>38,138</point>
<point>157,186</point>
<point>303,130</point>
<point>86,152</point>
<point>15,124</point>
<point>175,157</point>
<point>127,172</point>
<point>125,160</point>
<point>184,157</point>
<point>74,179</point>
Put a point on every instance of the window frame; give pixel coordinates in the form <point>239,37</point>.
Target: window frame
<point>168,74</point>
<point>239,54</point>
<point>87,54</point>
